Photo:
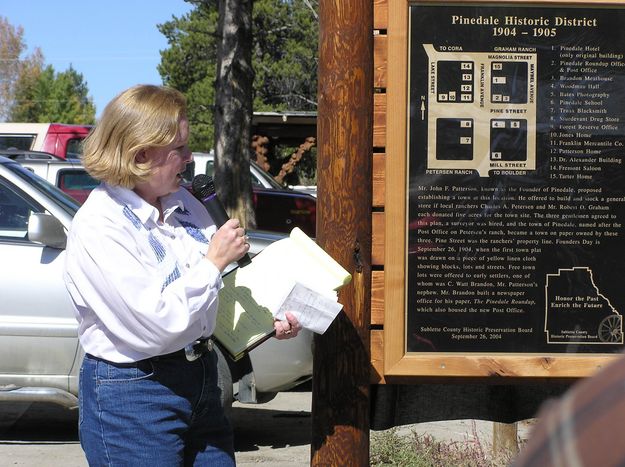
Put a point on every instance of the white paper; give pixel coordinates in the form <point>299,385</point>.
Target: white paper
<point>313,310</point>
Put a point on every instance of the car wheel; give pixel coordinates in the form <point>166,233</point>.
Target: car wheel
<point>224,380</point>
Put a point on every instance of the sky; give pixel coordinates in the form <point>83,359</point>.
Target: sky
<point>114,44</point>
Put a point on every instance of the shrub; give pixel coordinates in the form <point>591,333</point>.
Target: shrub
<point>391,448</point>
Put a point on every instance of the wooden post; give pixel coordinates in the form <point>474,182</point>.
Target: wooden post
<point>341,370</point>
<point>505,438</point>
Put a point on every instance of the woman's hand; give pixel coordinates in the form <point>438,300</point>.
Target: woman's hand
<point>287,329</point>
<point>227,245</point>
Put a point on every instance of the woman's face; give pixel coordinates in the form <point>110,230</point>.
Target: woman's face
<point>167,165</point>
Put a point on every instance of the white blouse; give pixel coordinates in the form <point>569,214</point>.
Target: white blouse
<point>140,288</point>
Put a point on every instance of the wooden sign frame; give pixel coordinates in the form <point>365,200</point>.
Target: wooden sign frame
<point>398,363</point>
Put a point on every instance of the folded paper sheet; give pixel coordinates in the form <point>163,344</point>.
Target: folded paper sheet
<point>293,274</point>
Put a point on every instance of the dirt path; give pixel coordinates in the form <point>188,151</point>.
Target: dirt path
<point>277,433</point>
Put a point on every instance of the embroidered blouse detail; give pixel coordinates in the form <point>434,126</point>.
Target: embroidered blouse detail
<point>133,218</point>
<point>193,230</point>
<point>128,282</point>
<point>172,277</point>
<point>157,247</point>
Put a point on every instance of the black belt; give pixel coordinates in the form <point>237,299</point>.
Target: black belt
<point>191,352</point>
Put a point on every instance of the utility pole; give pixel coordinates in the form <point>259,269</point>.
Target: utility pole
<point>341,370</point>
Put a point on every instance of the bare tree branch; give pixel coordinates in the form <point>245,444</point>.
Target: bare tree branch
<point>310,7</point>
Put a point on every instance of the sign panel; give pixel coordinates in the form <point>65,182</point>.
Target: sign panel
<point>516,191</point>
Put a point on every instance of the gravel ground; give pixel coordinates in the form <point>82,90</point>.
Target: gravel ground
<point>276,433</point>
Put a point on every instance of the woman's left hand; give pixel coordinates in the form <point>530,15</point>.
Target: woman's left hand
<point>288,328</point>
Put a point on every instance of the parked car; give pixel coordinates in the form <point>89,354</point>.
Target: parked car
<point>277,208</point>
<point>67,174</point>
<point>59,139</point>
<point>40,355</point>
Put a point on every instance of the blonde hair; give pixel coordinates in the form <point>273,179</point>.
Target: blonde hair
<point>141,117</point>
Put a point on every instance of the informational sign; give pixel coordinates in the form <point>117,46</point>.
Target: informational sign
<point>516,187</point>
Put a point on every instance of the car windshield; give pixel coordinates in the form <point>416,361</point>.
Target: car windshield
<point>260,178</point>
<point>66,202</point>
<point>260,173</point>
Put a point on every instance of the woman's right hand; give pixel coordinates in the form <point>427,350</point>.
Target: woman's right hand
<point>228,244</point>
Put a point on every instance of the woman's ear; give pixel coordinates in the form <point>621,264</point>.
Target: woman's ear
<point>141,157</point>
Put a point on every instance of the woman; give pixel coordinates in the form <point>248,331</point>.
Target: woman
<point>143,269</point>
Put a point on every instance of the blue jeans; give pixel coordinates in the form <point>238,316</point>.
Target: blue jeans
<point>157,412</point>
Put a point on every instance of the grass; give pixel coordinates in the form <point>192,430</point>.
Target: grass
<point>392,448</point>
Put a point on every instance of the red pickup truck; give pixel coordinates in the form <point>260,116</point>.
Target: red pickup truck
<point>60,139</point>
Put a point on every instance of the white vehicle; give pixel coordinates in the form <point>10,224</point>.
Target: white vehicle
<point>204,162</point>
<point>67,174</point>
<point>40,355</point>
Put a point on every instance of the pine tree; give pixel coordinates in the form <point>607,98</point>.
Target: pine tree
<point>53,97</point>
<point>284,60</point>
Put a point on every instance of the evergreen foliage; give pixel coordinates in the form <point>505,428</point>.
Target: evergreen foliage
<point>48,96</point>
<point>284,57</point>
